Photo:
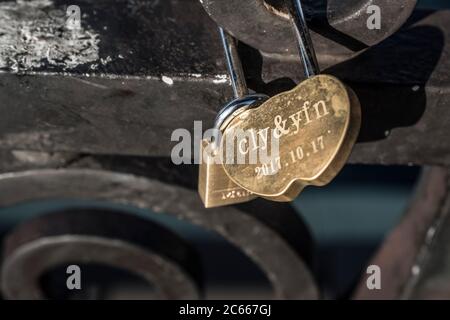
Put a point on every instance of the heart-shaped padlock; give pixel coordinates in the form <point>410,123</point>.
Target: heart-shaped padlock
<point>316,125</point>
<point>309,130</point>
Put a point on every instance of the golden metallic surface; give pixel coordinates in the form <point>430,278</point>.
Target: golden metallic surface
<point>316,124</point>
<point>214,186</point>
<point>341,157</point>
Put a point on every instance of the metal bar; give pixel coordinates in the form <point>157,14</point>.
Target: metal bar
<point>108,237</point>
<point>305,44</point>
<point>176,74</point>
<point>270,249</point>
<point>234,64</point>
<point>400,257</point>
<point>340,27</point>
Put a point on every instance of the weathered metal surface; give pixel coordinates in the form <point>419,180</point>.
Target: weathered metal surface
<point>274,238</point>
<point>431,273</point>
<point>339,27</point>
<point>407,250</point>
<point>93,236</point>
<point>131,111</point>
<point>131,37</point>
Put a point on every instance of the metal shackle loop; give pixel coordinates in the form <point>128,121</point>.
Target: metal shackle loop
<point>239,104</point>
<point>234,64</point>
<point>304,42</point>
<point>242,99</point>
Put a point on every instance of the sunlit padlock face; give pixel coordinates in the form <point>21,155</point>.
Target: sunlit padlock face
<point>215,187</point>
<point>308,126</point>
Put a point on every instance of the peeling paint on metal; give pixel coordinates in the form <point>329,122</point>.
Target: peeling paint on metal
<point>33,34</point>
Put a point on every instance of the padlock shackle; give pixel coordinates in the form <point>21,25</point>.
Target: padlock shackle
<point>304,42</point>
<point>234,64</point>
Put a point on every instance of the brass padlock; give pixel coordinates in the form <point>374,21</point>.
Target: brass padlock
<point>214,186</point>
<point>315,126</point>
